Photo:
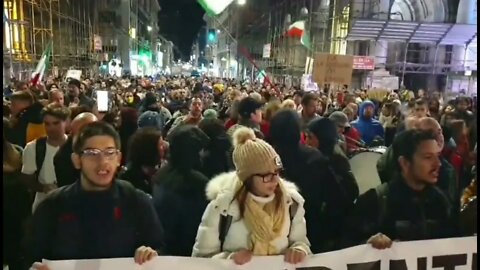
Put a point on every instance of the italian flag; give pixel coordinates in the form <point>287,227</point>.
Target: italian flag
<point>42,66</point>
<point>214,7</point>
<point>297,29</point>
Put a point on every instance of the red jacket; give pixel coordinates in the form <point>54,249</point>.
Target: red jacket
<point>230,123</point>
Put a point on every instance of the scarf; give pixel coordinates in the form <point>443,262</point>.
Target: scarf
<point>265,223</point>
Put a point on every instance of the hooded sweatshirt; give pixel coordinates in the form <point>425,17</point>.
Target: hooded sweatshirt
<point>368,128</point>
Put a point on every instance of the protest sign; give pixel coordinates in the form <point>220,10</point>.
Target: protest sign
<point>332,68</point>
<point>453,253</point>
<point>73,74</point>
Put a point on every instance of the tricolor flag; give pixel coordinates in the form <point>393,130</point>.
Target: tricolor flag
<point>297,29</point>
<point>214,7</point>
<point>42,65</point>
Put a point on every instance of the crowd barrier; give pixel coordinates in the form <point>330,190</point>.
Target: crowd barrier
<point>447,254</point>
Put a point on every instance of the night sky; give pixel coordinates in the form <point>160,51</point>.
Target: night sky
<point>180,21</point>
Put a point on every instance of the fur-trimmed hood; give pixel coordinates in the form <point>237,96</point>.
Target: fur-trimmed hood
<point>221,190</point>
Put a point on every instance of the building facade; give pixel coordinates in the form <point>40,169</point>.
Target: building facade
<point>429,44</point>
<point>31,25</point>
<point>128,30</point>
<point>100,36</point>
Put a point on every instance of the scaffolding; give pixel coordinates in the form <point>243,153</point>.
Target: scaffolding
<point>32,24</point>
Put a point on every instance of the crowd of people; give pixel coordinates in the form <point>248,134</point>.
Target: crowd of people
<point>217,168</point>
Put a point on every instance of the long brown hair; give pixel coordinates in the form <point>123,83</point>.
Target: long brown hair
<point>247,186</point>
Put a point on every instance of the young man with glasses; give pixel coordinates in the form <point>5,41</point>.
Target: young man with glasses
<point>98,216</point>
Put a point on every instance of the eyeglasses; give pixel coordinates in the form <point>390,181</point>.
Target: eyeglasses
<point>268,177</point>
<point>93,153</point>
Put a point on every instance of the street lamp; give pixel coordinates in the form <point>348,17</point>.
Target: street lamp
<point>149,28</point>
<point>241,2</point>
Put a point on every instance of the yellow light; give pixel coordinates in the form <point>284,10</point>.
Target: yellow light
<point>133,33</point>
<point>8,35</point>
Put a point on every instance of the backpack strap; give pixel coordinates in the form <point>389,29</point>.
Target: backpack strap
<point>382,200</point>
<point>292,211</point>
<point>40,152</point>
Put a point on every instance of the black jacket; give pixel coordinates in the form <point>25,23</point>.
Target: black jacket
<point>180,201</point>
<point>179,190</point>
<point>309,169</point>
<point>403,214</point>
<point>137,178</point>
<point>64,170</point>
<point>217,157</point>
<point>74,224</point>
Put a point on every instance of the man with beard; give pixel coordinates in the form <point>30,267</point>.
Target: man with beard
<point>192,118</point>
<point>78,98</point>
<point>369,128</point>
<point>98,216</point>
<point>411,206</point>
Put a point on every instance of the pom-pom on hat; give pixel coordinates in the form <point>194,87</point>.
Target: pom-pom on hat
<point>252,155</point>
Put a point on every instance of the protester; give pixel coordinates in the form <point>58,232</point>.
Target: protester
<point>65,171</point>
<point>179,190</point>
<point>38,171</point>
<point>266,222</point>
<point>399,209</point>
<point>16,205</point>
<point>97,216</point>
<point>250,114</point>
<point>26,122</point>
<point>144,159</point>
<point>217,153</point>
<point>369,128</point>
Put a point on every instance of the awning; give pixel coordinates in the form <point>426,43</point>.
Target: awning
<point>413,32</point>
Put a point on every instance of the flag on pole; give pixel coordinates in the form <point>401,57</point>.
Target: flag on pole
<point>214,7</point>
<point>305,40</point>
<point>297,29</point>
<point>42,65</point>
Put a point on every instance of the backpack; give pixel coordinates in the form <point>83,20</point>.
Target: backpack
<point>226,221</point>
<point>40,152</point>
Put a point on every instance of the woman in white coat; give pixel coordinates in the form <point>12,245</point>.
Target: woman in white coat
<point>253,212</point>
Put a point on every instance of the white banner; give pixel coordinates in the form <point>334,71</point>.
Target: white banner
<point>454,253</point>
<point>267,48</point>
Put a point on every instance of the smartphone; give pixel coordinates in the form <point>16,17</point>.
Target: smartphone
<point>102,101</point>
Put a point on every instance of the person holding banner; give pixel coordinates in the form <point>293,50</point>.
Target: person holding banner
<point>253,212</point>
<point>97,216</point>
<point>411,206</point>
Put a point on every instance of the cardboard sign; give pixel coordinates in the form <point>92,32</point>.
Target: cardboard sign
<point>73,74</point>
<point>333,68</point>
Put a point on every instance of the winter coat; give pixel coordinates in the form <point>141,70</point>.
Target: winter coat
<point>74,224</point>
<point>327,197</point>
<point>402,214</point>
<point>368,128</point>
<point>179,198</point>
<point>221,191</point>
